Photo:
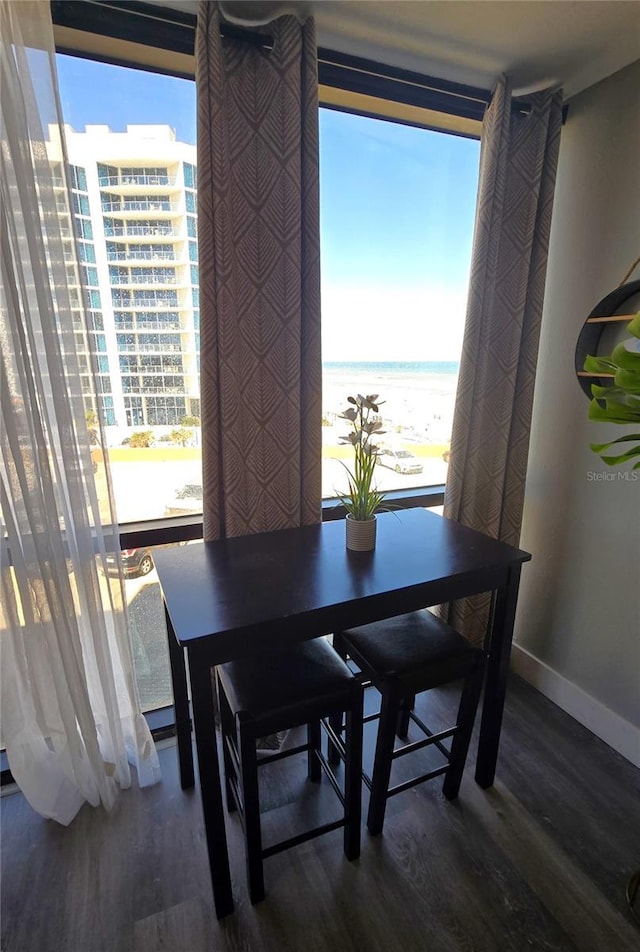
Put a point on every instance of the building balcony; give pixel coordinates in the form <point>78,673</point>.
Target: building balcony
<point>150,304</point>
<point>154,279</point>
<point>157,232</point>
<point>121,183</point>
<point>139,325</point>
<point>161,254</point>
<point>128,207</point>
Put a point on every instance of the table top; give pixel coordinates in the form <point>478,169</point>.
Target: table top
<point>300,583</point>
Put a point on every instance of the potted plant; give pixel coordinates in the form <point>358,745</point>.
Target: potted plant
<point>363,499</point>
<point>618,402</point>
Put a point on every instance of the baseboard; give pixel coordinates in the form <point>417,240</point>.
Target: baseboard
<point>600,720</point>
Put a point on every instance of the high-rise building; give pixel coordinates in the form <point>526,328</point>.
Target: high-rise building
<point>134,212</point>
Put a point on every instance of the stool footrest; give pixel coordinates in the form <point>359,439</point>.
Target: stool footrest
<point>430,739</point>
<point>416,780</point>
<point>324,763</point>
<point>281,754</point>
<point>334,738</point>
<point>301,838</point>
<point>434,738</point>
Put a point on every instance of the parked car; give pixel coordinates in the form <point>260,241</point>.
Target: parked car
<point>402,461</point>
<point>187,501</point>
<point>135,562</point>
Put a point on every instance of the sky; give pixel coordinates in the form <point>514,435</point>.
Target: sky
<point>397,208</point>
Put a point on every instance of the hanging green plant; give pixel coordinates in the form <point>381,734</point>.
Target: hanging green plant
<point>619,401</point>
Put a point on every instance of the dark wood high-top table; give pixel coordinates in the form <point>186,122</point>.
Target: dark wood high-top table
<point>224,600</point>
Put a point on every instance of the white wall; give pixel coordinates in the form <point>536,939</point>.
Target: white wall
<point>578,625</point>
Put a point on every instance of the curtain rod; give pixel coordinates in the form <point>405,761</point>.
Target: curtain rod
<point>167,28</point>
<point>137,22</point>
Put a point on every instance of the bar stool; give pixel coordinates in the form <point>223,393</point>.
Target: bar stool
<point>402,657</point>
<point>274,692</point>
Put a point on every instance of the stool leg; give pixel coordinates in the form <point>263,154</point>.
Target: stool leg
<point>314,739</point>
<point>353,776</point>
<point>228,728</point>
<point>462,739</point>
<point>383,760</point>
<point>335,722</point>
<point>251,803</point>
<point>407,704</point>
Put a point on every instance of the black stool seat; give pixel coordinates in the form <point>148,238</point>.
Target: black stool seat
<point>402,657</point>
<point>275,691</point>
<point>282,689</point>
<point>417,649</point>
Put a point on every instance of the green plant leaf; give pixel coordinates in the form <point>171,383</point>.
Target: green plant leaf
<point>600,447</point>
<point>626,359</point>
<point>623,458</point>
<point>634,327</point>
<point>616,396</point>
<point>613,413</point>
<point>628,380</point>
<point>599,365</point>
<point>601,392</point>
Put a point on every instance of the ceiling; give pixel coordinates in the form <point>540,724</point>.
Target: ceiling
<point>573,43</point>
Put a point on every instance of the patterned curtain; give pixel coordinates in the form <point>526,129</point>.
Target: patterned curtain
<point>259,249</point>
<point>490,442</point>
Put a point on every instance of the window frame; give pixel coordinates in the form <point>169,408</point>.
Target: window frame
<point>346,83</point>
<point>156,39</point>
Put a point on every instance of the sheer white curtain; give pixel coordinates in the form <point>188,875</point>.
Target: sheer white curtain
<point>71,718</point>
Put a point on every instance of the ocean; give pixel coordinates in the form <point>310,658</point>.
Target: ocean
<point>392,367</point>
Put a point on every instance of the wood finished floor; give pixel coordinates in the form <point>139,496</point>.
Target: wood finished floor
<point>539,862</point>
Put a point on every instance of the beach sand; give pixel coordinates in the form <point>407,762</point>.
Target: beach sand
<point>416,406</point>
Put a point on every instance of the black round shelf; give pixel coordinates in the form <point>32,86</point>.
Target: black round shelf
<point>590,334</point>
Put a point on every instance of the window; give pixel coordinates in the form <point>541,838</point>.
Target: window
<point>155,298</point>
<point>83,228</point>
<point>90,276</point>
<point>92,299</point>
<point>78,178</point>
<point>189,175</point>
<point>87,252</point>
<point>381,211</point>
<point>80,204</point>
<point>134,411</point>
<point>107,174</point>
<point>397,213</point>
<point>166,411</point>
<point>107,410</point>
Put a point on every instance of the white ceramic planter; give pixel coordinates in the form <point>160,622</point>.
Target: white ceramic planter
<point>361,534</point>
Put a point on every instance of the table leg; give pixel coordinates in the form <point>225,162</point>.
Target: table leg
<point>180,707</point>
<point>497,674</point>
<point>210,788</point>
